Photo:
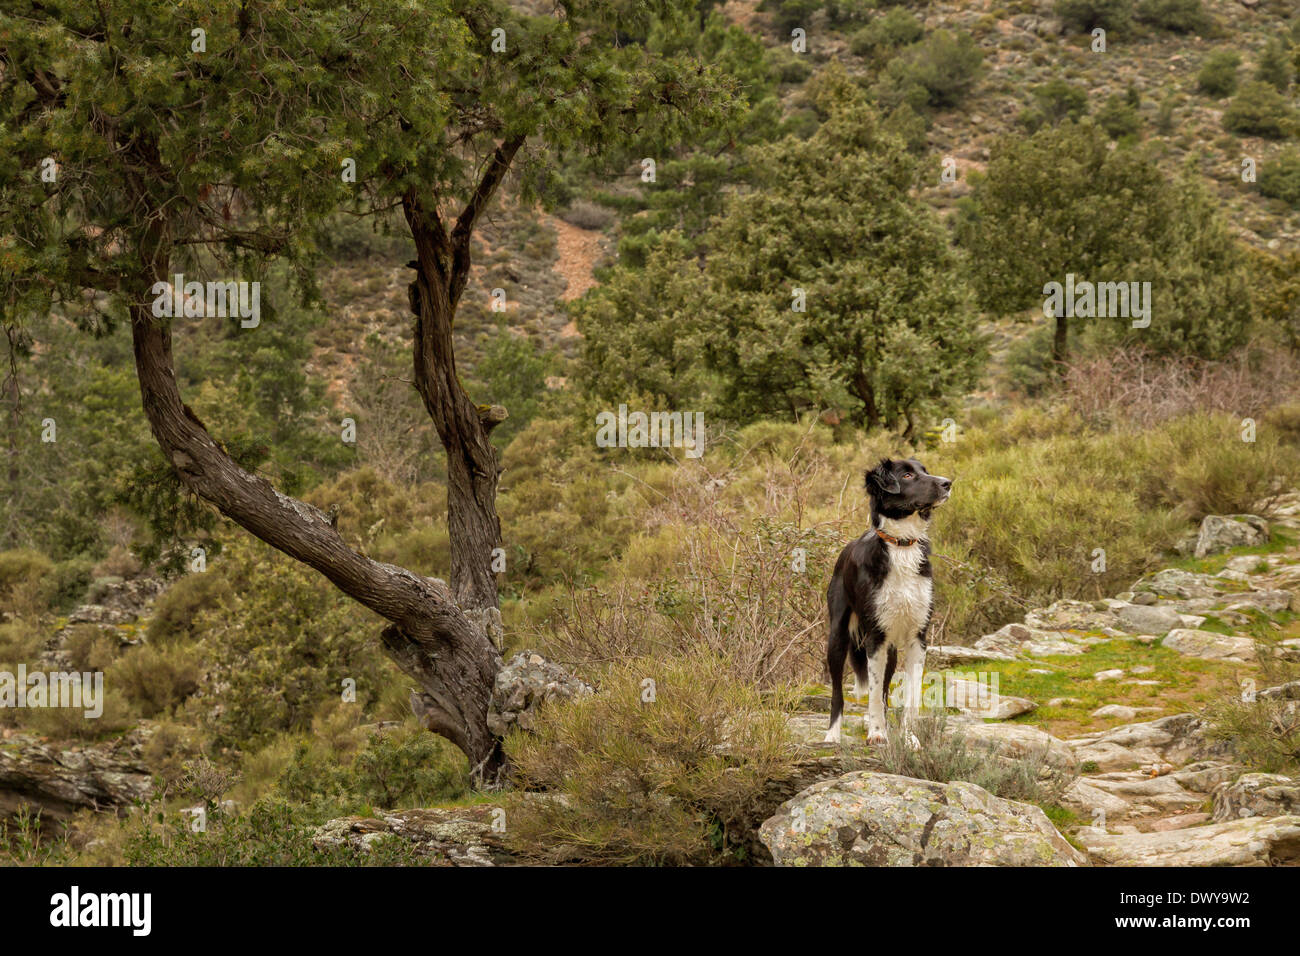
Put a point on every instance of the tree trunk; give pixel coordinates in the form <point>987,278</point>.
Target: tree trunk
<point>444,650</point>
<point>1059,340</point>
<point>863,390</point>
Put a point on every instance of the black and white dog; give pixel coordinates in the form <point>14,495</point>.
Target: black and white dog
<point>882,594</point>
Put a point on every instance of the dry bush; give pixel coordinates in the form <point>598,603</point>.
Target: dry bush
<point>668,772</point>
<point>1138,388</point>
<point>750,589</point>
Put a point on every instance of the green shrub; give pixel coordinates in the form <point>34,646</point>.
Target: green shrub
<point>945,755</point>
<point>1264,732</point>
<point>272,832</point>
<point>1218,74</point>
<point>177,609</point>
<point>674,779</point>
<point>1054,101</point>
<point>1177,16</point>
<point>1118,117</point>
<point>1086,15</point>
<point>896,28</point>
<point>1259,110</point>
<point>1274,67</point>
<point>945,66</point>
<point>24,577</point>
<point>157,680</point>
<point>281,645</point>
<point>1279,178</point>
<point>400,767</point>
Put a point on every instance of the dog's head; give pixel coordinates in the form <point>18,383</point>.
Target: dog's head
<point>903,487</point>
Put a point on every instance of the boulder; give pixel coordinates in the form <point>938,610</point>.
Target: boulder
<point>1257,795</point>
<point>456,836</point>
<point>1071,615</point>
<point>1254,841</point>
<point>879,819</point>
<point>940,657</point>
<point>979,700</point>
<point>1221,532</point>
<point>56,783</point>
<point>1149,619</point>
<point>1121,711</point>
<point>1187,585</point>
<point>523,685</point>
<point>1174,740</point>
<point>1014,741</point>
<point>1018,640</point>
<point>1210,646</point>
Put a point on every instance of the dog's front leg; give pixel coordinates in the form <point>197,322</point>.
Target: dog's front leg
<point>877,665</point>
<point>913,672</point>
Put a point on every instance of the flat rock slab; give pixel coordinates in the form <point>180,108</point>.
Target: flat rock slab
<point>1149,619</point>
<point>980,700</point>
<point>1177,740</point>
<point>1251,842</point>
<point>879,819</point>
<point>940,657</point>
<point>1209,646</point>
<point>456,836</point>
<point>1017,741</point>
<point>1257,795</point>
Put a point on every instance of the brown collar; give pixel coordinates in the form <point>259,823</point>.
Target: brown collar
<point>898,542</point>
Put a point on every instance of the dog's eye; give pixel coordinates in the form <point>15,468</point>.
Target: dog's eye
<point>909,476</point>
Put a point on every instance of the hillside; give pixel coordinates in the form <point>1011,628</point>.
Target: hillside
<point>362,580</point>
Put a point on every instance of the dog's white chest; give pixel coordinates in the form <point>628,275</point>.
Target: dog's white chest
<point>902,599</point>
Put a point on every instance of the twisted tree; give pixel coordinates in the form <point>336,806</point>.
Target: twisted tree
<point>143,140</point>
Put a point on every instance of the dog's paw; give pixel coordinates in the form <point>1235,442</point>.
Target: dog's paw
<point>876,740</point>
<point>832,737</point>
<point>912,740</point>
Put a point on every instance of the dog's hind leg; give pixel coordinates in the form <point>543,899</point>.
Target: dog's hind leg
<point>837,647</point>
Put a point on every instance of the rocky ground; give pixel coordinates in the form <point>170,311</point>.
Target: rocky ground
<point>1155,792</point>
<point>1161,791</point>
<point>1143,779</point>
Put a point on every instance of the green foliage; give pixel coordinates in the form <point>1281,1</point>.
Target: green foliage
<point>1177,16</point>
<point>1259,109</point>
<point>689,184</point>
<point>944,755</point>
<point>1264,733</point>
<point>23,576</point>
<point>1279,177</point>
<point>882,36</point>
<point>1054,102</point>
<point>281,644</point>
<point>639,328</point>
<point>176,612</point>
<point>396,768</point>
<point>157,680</point>
<point>272,832</point>
<point>834,217</point>
<point>675,780</point>
<point>1086,15</point>
<point>1274,65</point>
<point>1118,117</point>
<point>937,72</point>
<point>513,372</point>
<point>1218,74</point>
<point>1063,202</point>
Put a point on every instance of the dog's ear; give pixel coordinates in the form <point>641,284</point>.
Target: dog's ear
<point>881,479</point>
